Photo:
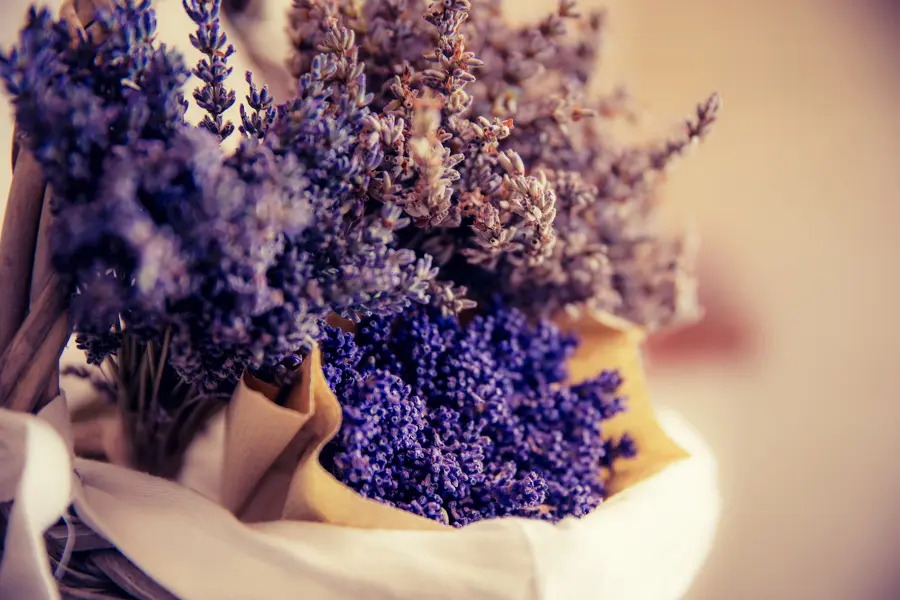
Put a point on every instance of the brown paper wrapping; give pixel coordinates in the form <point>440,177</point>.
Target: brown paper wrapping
<point>272,459</point>
<point>610,343</point>
<point>271,456</point>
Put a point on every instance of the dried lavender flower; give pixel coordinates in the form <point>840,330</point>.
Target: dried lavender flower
<point>237,259</point>
<point>431,151</point>
<point>213,70</point>
<point>485,129</point>
<point>75,100</point>
<point>261,103</point>
<point>462,424</point>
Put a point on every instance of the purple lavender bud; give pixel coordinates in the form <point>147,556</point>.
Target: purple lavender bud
<point>261,102</point>
<point>213,70</point>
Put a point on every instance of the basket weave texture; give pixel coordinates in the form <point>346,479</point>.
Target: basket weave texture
<point>34,329</point>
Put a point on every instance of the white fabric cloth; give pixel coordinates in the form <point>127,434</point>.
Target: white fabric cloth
<point>646,543</point>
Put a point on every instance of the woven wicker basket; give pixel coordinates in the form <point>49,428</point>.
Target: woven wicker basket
<point>34,329</point>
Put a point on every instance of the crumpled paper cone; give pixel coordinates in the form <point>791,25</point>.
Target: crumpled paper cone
<point>265,456</point>
<point>271,470</point>
<point>271,459</point>
<point>610,343</point>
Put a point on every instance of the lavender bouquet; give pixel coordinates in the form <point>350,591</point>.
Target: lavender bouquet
<point>431,259</point>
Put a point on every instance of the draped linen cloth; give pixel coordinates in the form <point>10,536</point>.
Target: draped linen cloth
<point>646,542</point>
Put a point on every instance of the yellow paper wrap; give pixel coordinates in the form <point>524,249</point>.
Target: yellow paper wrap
<point>608,343</point>
<point>272,468</point>
<point>271,451</point>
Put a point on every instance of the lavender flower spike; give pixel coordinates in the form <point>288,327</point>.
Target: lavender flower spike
<point>213,70</point>
<point>492,144</point>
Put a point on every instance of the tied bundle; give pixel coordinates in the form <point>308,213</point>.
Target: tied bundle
<point>411,297</point>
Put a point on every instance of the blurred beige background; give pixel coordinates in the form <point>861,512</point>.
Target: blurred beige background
<point>796,194</point>
<point>796,197</point>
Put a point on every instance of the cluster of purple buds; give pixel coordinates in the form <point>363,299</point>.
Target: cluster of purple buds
<point>213,97</point>
<point>503,161</point>
<point>460,424</point>
<point>237,259</point>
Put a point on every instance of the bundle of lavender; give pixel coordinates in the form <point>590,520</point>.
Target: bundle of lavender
<point>410,298</point>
